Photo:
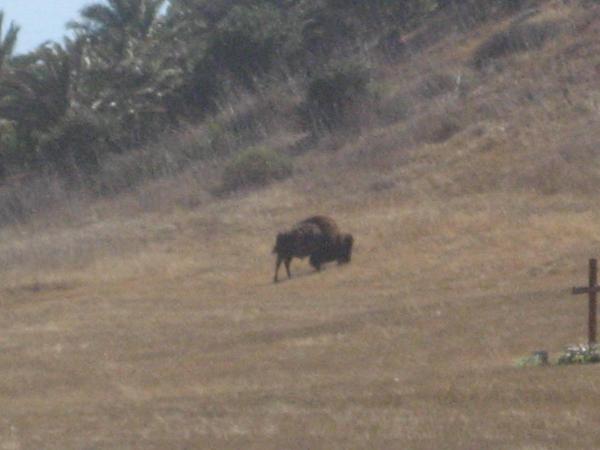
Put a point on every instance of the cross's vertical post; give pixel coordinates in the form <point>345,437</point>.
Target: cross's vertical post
<point>592,304</point>
<point>592,290</point>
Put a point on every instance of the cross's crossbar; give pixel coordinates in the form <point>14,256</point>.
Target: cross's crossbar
<point>585,290</point>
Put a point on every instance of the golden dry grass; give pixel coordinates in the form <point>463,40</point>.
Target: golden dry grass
<point>186,343</point>
<point>156,330</point>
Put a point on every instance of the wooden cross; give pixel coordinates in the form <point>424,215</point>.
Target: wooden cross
<point>591,289</point>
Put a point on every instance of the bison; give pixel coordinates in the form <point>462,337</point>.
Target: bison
<point>317,237</point>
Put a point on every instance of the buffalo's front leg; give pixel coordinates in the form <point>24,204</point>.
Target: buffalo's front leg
<point>277,264</point>
<point>315,261</point>
<point>287,266</point>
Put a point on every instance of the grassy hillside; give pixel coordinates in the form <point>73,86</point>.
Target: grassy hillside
<point>150,320</point>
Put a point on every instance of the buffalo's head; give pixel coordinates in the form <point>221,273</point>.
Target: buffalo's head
<point>346,241</point>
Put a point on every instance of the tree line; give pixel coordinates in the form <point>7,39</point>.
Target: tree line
<point>132,69</point>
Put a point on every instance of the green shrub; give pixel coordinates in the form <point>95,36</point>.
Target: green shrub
<point>334,99</point>
<point>255,166</point>
<point>519,38</point>
<point>580,354</point>
<point>536,359</point>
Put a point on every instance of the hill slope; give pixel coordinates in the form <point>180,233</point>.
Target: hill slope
<point>135,326</point>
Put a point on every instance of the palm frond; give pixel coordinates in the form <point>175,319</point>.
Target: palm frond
<point>9,41</point>
<point>99,17</point>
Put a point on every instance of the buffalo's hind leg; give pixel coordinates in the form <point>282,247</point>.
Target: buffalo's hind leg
<point>287,263</point>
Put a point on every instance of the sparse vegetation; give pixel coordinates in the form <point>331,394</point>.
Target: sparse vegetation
<point>256,166</point>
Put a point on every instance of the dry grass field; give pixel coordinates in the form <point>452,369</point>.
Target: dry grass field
<point>125,326</point>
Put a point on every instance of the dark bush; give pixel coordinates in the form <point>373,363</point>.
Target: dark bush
<point>394,109</point>
<point>200,92</point>
<point>469,12</point>
<point>9,149</point>
<point>334,98</point>
<point>247,42</point>
<point>255,166</point>
<point>437,84</point>
<point>437,128</point>
<point>325,32</point>
<point>76,144</point>
<point>518,38</point>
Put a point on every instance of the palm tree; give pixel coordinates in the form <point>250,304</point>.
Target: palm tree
<point>35,94</point>
<point>135,92</point>
<point>125,70</point>
<point>113,26</point>
<point>7,44</point>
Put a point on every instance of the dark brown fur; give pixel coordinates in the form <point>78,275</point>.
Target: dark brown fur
<point>326,224</point>
<point>318,237</point>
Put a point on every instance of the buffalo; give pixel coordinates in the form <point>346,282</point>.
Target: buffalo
<point>317,237</point>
